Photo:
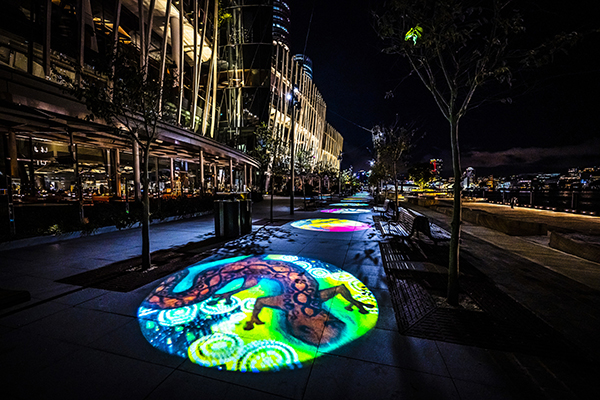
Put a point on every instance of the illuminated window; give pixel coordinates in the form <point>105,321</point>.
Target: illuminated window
<point>281,27</point>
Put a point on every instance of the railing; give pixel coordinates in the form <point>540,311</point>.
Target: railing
<point>577,201</point>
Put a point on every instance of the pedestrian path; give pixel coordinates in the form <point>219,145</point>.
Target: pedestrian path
<point>71,342</point>
<point>562,289</point>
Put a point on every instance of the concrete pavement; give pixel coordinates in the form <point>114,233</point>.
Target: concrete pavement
<point>75,342</point>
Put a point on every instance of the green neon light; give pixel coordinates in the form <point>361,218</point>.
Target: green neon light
<point>414,34</point>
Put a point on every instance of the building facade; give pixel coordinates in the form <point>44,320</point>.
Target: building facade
<point>261,74</point>
<point>231,69</point>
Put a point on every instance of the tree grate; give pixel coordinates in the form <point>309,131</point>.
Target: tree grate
<point>501,323</point>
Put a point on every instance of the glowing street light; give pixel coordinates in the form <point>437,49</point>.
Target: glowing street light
<point>294,100</point>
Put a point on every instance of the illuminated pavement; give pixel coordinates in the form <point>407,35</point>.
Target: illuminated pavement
<point>70,342</point>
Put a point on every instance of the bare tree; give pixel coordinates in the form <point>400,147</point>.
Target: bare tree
<point>271,152</point>
<point>304,166</point>
<point>324,169</point>
<point>456,48</point>
<point>392,145</point>
<point>126,97</point>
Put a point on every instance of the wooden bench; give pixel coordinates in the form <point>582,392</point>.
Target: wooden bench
<point>421,224</point>
<point>383,209</point>
<point>408,222</point>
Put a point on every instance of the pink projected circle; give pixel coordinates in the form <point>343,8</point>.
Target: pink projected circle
<point>330,225</point>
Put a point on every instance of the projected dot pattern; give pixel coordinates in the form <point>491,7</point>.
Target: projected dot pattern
<point>257,313</point>
<point>349,204</point>
<point>345,210</point>
<point>330,225</point>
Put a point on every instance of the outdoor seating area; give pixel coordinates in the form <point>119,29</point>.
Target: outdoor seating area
<point>396,280</point>
<point>406,223</point>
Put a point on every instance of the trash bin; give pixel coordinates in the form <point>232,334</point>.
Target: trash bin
<point>227,218</point>
<point>246,216</point>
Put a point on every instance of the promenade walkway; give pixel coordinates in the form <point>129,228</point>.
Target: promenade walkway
<point>560,288</point>
<point>71,341</point>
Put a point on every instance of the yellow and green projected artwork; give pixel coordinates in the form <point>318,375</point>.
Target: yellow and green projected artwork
<point>345,211</point>
<point>348,204</point>
<point>257,313</point>
<point>330,225</point>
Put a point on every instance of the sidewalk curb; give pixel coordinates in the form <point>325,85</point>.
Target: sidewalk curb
<point>37,240</point>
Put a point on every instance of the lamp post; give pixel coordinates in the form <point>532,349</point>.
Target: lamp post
<point>340,174</point>
<point>294,102</point>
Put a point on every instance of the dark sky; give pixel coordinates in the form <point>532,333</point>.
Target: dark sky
<point>552,125</point>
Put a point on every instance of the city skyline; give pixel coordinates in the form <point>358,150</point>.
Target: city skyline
<point>550,126</point>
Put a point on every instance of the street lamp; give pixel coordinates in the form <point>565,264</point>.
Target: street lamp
<point>340,173</point>
<point>294,102</point>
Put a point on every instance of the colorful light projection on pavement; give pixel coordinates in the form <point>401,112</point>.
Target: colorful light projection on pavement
<point>345,210</point>
<point>257,313</point>
<point>354,199</point>
<point>330,225</point>
<point>349,204</point>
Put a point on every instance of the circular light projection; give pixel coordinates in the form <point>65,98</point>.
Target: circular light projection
<point>257,313</point>
<point>345,211</point>
<point>349,204</point>
<point>216,349</point>
<point>330,225</point>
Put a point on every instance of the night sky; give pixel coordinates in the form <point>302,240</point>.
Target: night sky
<point>552,124</point>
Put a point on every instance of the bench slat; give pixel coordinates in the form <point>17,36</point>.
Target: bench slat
<point>406,223</point>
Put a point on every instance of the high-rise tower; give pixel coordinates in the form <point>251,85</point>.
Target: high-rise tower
<point>281,22</point>
<point>305,63</point>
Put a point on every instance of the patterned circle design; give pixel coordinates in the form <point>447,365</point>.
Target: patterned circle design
<point>342,276</point>
<point>358,285</point>
<point>268,355</point>
<point>303,264</point>
<point>319,272</point>
<point>219,308</point>
<point>330,225</point>
<point>349,204</point>
<point>177,316</point>
<point>248,305</point>
<point>241,313</point>
<point>216,349</point>
<point>345,210</point>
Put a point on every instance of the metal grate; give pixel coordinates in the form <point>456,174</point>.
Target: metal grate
<point>502,324</point>
<point>274,222</point>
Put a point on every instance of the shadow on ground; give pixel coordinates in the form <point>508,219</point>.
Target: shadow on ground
<point>128,275</point>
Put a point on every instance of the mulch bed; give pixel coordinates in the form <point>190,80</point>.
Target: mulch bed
<point>274,222</point>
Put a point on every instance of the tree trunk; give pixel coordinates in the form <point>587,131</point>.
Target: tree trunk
<point>396,191</point>
<point>146,260</point>
<point>272,188</point>
<point>303,191</point>
<point>453,258</point>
